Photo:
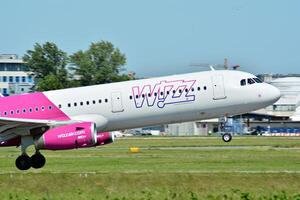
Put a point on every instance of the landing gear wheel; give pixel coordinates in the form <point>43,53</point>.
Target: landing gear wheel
<point>38,161</point>
<point>226,137</point>
<point>23,162</point>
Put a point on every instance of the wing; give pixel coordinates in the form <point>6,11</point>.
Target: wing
<point>12,127</point>
<point>8,121</point>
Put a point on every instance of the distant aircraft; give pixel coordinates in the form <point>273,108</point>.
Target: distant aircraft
<point>81,117</point>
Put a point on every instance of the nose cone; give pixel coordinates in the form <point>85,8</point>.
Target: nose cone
<point>271,94</point>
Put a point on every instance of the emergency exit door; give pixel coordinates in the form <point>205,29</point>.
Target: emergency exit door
<point>218,87</point>
<point>116,102</point>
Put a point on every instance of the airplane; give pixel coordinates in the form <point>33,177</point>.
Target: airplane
<point>83,117</point>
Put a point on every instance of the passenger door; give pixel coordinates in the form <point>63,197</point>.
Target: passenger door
<point>218,87</point>
<point>116,102</point>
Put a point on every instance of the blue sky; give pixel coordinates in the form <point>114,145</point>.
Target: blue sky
<point>161,37</point>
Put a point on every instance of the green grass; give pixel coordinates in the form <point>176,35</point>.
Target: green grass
<point>257,168</point>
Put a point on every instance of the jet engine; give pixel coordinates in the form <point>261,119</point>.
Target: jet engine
<point>78,135</point>
<point>105,138</point>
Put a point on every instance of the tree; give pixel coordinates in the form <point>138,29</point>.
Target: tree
<point>101,63</point>
<point>49,82</point>
<point>48,64</point>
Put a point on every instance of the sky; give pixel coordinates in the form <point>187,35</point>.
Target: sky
<point>162,37</point>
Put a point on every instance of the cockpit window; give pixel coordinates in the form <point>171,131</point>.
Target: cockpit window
<point>250,81</point>
<point>243,82</point>
<point>257,80</point>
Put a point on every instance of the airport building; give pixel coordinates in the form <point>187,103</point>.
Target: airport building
<point>15,77</point>
<point>289,86</point>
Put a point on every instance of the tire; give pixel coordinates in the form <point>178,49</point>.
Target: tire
<point>38,161</point>
<point>227,137</point>
<point>23,162</point>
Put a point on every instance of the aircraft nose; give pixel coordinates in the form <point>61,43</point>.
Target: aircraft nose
<point>271,94</point>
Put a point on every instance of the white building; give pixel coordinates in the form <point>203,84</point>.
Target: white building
<point>15,77</point>
<point>286,105</point>
<point>200,128</point>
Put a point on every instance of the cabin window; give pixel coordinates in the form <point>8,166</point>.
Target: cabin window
<point>204,87</point>
<point>198,88</point>
<point>24,110</point>
<point>243,82</point>
<point>17,111</point>
<point>155,94</point>
<point>168,92</point>
<point>130,97</point>
<point>180,91</point>
<point>11,112</point>
<point>174,91</point>
<point>136,96</point>
<point>186,90</point>
<point>161,93</point>
<point>106,100</point>
<point>193,89</point>
<point>43,108</point>
<point>81,103</point>
<point>59,105</point>
<point>69,105</point>
<point>75,104</point>
<point>5,113</point>
<point>94,102</point>
<point>149,94</point>
<point>100,101</point>
<point>50,107</point>
<point>250,81</point>
<point>87,102</point>
<point>36,109</point>
<point>143,95</point>
<point>30,109</point>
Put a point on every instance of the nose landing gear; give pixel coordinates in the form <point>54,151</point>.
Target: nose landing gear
<point>227,137</point>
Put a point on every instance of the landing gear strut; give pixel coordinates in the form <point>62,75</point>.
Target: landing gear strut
<point>226,137</point>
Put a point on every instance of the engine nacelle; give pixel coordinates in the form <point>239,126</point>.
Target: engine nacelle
<point>78,135</point>
<point>105,138</point>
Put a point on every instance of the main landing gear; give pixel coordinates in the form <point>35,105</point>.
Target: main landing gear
<point>24,162</point>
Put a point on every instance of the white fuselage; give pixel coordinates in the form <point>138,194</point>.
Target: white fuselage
<point>169,99</point>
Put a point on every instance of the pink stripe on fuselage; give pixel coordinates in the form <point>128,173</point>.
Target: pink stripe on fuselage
<point>30,106</point>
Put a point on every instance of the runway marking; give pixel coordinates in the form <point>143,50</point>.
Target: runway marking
<point>237,172</point>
